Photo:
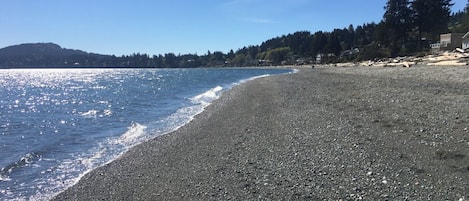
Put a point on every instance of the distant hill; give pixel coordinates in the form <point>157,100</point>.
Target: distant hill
<point>45,49</point>
<point>47,55</point>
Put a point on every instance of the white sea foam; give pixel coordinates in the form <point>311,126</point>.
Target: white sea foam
<point>94,159</point>
<point>208,96</point>
<point>250,79</point>
<point>90,113</point>
<point>180,118</point>
<point>186,114</point>
<point>86,162</point>
<point>4,178</point>
<point>135,131</point>
<point>107,112</point>
<point>96,113</point>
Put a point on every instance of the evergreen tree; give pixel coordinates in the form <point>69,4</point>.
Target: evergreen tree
<point>431,17</point>
<point>170,60</point>
<point>465,19</point>
<point>351,36</point>
<point>319,42</point>
<point>398,22</point>
<point>360,37</point>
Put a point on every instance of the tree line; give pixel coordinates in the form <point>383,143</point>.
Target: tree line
<point>407,27</point>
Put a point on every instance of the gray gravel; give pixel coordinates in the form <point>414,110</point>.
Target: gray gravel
<point>321,134</point>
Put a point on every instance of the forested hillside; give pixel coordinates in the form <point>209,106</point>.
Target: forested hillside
<point>407,27</point>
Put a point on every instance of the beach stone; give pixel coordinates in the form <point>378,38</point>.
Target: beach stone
<point>320,134</point>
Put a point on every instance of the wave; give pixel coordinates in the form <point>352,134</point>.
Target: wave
<point>24,161</point>
<point>186,114</point>
<point>255,77</point>
<point>4,178</point>
<point>208,96</point>
<point>262,76</point>
<point>135,131</point>
<point>91,161</point>
<point>96,113</point>
<point>90,113</point>
<point>69,171</point>
<point>250,79</point>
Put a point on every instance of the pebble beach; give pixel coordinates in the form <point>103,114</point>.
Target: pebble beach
<point>329,133</point>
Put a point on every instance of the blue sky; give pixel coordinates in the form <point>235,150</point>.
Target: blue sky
<point>123,27</point>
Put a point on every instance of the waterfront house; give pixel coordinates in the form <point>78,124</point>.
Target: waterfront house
<point>465,41</point>
<point>325,58</point>
<point>448,42</point>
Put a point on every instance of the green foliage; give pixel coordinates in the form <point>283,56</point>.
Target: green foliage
<point>459,21</point>
<point>240,60</point>
<point>431,17</point>
<point>397,22</point>
<point>373,51</point>
<point>276,56</point>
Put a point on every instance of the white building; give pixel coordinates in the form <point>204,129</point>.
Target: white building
<point>448,42</point>
<point>465,41</point>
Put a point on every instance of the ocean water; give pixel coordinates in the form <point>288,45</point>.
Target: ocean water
<point>58,124</point>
